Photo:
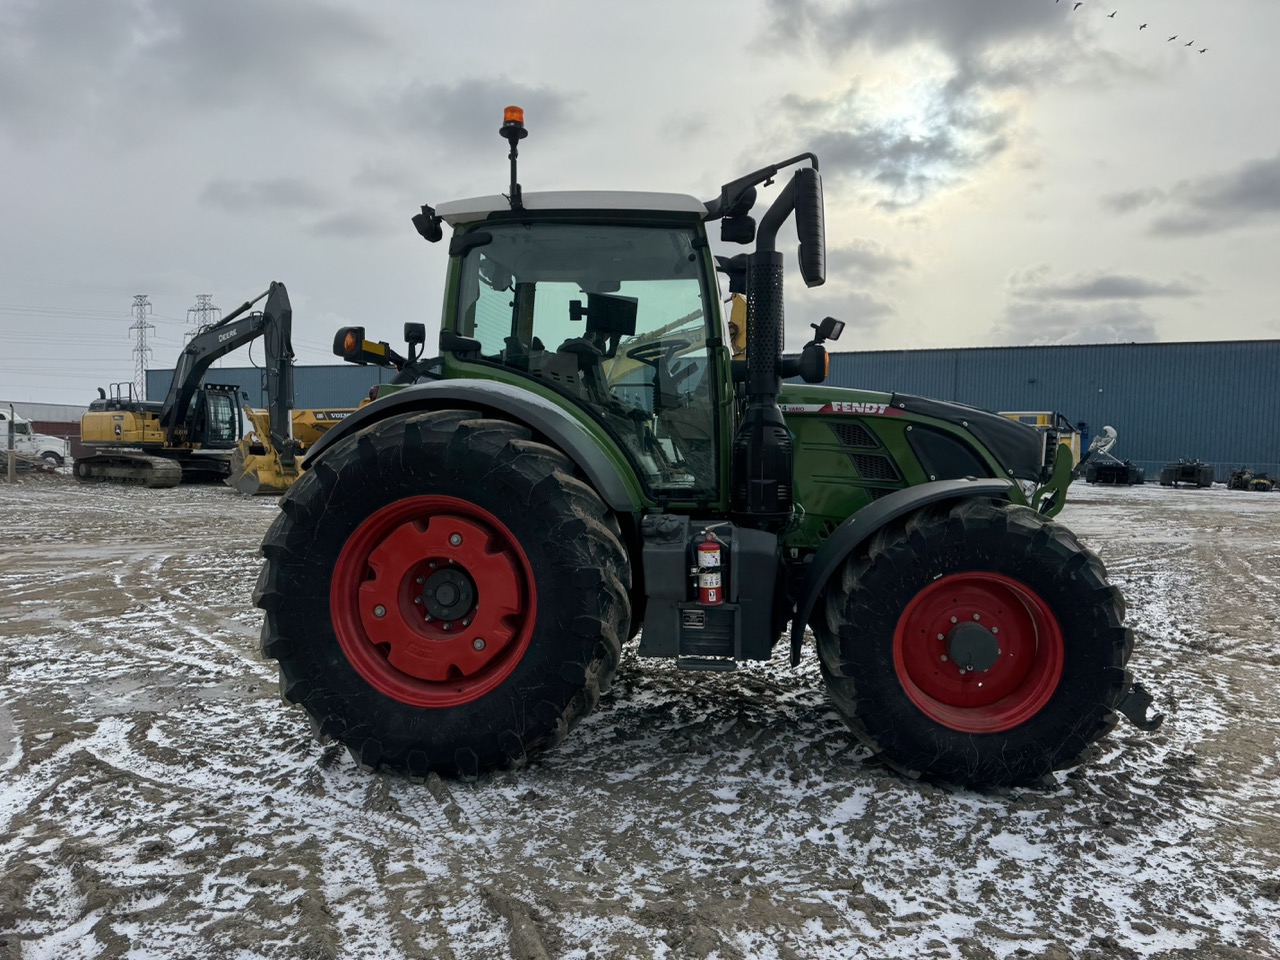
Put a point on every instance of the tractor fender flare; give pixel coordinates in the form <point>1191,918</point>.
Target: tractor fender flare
<point>857,529</point>
<point>509,402</point>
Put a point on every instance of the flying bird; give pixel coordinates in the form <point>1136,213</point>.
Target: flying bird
<point>1142,27</point>
<point>1174,37</point>
<point>1112,14</point>
<point>1203,49</point>
<point>1078,5</point>
<point>1188,43</point>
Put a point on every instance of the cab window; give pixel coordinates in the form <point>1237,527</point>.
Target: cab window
<point>615,318</point>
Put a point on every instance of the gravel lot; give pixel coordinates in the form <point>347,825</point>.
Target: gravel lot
<point>158,800</point>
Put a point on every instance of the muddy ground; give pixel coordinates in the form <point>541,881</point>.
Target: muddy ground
<point>158,800</point>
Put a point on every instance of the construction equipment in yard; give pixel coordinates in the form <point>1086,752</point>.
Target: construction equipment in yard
<point>1185,471</point>
<point>1243,478</point>
<point>1055,427</point>
<point>449,585</point>
<point>1098,465</point>
<point>193,434</point>
<point>257,466</point>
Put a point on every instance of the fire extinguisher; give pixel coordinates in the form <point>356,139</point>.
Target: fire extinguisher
<point>710,571</point>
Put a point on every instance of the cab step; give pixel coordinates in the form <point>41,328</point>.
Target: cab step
<point>714,664</point>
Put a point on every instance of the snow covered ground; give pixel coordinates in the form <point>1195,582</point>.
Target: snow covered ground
<point>157,800</point>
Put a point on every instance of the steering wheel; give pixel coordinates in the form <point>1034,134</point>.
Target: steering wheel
<point>651,353</point>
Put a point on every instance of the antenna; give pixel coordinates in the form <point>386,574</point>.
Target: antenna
<point>513,130</point>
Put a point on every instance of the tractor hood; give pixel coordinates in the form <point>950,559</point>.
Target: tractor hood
<point>1017,447</point>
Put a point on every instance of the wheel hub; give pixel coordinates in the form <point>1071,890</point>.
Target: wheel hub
<point>448,594</point>
<point>972,646</point>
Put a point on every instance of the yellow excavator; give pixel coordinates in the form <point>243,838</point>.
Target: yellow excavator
<point>195,434</point>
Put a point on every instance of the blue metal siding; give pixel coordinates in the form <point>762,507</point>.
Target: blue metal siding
<point>1217,402</point>
<point>314,387</point>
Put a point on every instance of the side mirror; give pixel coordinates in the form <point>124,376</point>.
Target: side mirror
<point>415,333</point>
<point>829,329</point>
<point>810,227</point>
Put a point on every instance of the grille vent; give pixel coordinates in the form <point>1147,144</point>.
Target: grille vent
<point>874,467</point>
<point>875,493</point>
<point>854,435</point>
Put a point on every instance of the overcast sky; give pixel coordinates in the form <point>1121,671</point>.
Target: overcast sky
<point>996,171</point>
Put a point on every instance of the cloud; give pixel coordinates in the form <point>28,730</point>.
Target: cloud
<point>356,225</point>
<point>1054,323</point>
<point>1032,285</point>
<point>461,114</point>
<point>67,62</point>
<point>862,260</point>
<point>903,156</point>
<point>1242,197</point>
<point>249,196</point>
<point>1130,200</point>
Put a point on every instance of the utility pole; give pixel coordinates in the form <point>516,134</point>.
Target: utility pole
<point>141,309</point>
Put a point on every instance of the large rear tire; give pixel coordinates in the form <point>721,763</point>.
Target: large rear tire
<point>978,645</point>
<point>443,594</point>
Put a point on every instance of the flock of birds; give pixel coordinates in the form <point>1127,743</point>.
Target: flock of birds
<point>1077,4</point>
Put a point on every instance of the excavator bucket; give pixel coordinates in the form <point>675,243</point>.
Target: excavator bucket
<point>256,469</point>
<point>260,474</point>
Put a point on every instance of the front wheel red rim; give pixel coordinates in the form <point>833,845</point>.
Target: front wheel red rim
<point>433,601</point>
<point>978,652</point>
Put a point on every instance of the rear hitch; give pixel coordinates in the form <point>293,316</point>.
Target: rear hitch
<point>1134,706</point>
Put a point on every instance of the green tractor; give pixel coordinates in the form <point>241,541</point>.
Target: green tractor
<point>449,585</point>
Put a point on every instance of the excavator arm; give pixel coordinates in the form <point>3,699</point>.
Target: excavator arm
<point>274,324</point>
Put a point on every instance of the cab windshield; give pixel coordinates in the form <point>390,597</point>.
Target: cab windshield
<point>614,318</point>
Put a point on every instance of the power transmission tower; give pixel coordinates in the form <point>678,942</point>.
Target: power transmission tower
<point>141,309</point>
<point>202,315</point>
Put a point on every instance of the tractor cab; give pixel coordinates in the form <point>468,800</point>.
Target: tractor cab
<point>620,319</point>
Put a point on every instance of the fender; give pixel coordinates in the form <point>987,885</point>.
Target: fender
<point>493,397</point>
<point>859,527</point>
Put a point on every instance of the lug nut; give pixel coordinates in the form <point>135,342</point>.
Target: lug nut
<point>432,564</point>
<point>953,619</point>
<point>478,643</point>
<point>420,580</point>
<point>455,539</point>
<point>943,658</point>
<point>446,625</point>
<point>379,611</point>
<point>995,629</point>
<point>977,616</point>
<point>941,637</point>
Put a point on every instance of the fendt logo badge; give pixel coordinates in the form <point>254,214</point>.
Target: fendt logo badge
<point>850,407</point>
<point>842,406</point>
<point>226,336</point>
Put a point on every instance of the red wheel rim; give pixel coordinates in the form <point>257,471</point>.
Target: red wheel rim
<point>978,652</point>
<point>394,571</point>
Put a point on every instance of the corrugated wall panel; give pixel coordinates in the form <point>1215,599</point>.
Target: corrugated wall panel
<point>314,387</point>
<point>1216,402</point>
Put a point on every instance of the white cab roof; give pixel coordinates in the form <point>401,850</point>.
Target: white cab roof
<point>477,208</point>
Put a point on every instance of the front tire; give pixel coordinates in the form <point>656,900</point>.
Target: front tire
<point>443,594</point>
<point>978,645</point>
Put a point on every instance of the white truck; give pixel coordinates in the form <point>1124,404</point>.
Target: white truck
<point>26,441</point>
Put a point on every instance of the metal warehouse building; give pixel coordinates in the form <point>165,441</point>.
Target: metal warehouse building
<point>314,388</point>
<point>1218,401</point>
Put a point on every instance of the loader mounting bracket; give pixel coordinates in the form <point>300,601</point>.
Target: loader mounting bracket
<point>1134,706</point>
